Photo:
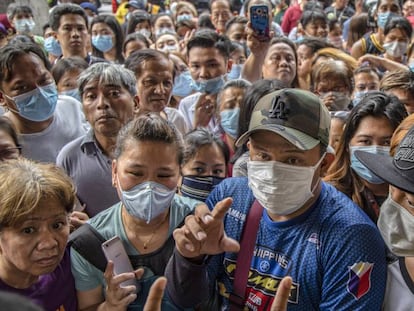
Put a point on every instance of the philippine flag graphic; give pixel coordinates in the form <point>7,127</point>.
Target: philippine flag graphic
<point>359,281</point>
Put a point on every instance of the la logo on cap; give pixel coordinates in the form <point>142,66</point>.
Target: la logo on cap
<point>279,109</point>
<point>404,157</point>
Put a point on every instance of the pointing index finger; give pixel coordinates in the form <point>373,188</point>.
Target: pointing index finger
<point>221,208</point>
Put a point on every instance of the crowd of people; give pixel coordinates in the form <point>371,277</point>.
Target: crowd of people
<point>239,169</point>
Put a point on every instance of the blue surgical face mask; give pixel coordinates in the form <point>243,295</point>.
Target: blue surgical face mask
<point>147,200</point>
<point>360,169</point>
<point>198,187</point>
<point>73,93</point>
<point>102,43</point>
<point>37,105</point>
<point>383,18</point>
<point>235,71</point>
<point>182,84</point>
<point>25,25</point>
<point>229,120</point>
<point>163,30</point>
<point>211,86</point>
<point>184,17</point>
<point>52,46</point>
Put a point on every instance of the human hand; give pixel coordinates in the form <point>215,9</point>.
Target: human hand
<point>155,295</point>
<point>118,297</point>
<point>282,295</point>
<point>328,99</point>
<point>77,219</point>
<point>183,43</point>
<point>203,233</point>
<point>204,110</point>
<point>372,60</point>
<point>256,46</point>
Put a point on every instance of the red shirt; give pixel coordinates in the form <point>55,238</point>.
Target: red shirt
<point>291,18</point>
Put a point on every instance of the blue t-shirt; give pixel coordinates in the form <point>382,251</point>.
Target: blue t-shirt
<point>333,252</point>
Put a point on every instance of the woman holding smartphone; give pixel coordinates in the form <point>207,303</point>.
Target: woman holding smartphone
<point>145,172</point>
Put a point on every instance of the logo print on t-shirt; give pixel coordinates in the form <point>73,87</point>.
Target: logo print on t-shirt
<point>359,282</point>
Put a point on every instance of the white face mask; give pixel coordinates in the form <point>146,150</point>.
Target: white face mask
<point>282,189</point>
<point>395,48</point>
<point>396,225</point>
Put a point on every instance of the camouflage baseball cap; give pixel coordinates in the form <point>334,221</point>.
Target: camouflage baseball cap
<point>296,115</point>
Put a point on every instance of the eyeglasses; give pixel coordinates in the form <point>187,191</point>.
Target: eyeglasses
<point>10,153</point>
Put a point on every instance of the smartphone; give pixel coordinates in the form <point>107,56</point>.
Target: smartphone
<point>114,250</point>
<point>259,19</point>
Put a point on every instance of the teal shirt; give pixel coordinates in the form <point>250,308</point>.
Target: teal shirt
<point>109,224</point>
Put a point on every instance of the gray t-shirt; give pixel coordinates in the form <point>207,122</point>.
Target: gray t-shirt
<point>66,126</point>
<point>91,171</point>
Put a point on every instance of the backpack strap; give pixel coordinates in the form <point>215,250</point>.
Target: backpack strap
<point>87,242</point>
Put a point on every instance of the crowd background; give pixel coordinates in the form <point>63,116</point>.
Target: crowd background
<point>139,119</point>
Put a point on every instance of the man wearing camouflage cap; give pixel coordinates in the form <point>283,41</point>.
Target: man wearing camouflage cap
<point>306,228</point>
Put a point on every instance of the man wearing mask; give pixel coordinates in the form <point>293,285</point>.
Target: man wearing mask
<point>208,56</point>
<point>28,93</point>
<point>109,99</point>
<point>70,23</point>
<point>304,228</point>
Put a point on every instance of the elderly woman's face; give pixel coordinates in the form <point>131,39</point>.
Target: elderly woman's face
<point>143,161</point>
<point>35,246</point>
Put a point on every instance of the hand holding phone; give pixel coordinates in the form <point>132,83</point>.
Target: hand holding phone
<point>260,23</point>
<point>114,251</point>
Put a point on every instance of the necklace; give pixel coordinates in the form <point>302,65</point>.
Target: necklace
<point>154,232</point>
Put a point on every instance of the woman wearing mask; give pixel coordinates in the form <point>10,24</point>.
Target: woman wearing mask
<point>107,38</point>
<point>162,23</point>
<point>185,11</point>
<point>332,82</point>
<point>139,22</point>
<point>167,42</point>
<point>229,100</point>
<point>36,200</point>
<point>397,36</point>
<point>368,128</point>
<point>396,219</point>
<point>145,172</point>
<point>372,43</point>
<point>66,72</point>
<point>182,79</point>
<point>204,164</point>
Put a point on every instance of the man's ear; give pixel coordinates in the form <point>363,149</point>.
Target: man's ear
<point>229,64</point>
<point>136,104</point>
<point>114,173</point>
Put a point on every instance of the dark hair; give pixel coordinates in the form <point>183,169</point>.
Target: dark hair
<point>136,18</point>
<point>44,27</point>
<point>137,60</point>
<point>112,23</point>
<point>207,38</point>
<point>358,27</point>
<point>401,23</point>
<point>17,39</point>
<point>149,127</point>
<point>236,45</point>
<point>204,22</point>
<point>368,69</point>
<point>156,17</point>
<point>18,9</point>
<point>135,37</point>
<point>63,9</point>
<point>236,83</point>
<point>189,23</point>
<point>315,44</point>
<point>236,20</point>
<point>340,174</point>
<point>200,137</point>
<point>10,53</point>
<point>7,126</point>
<point>64,65</point>
<point>253,94</point>
<point>310,16</point>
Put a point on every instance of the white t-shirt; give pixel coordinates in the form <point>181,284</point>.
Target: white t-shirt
<point>66,126</point>
<point>399,294</point>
